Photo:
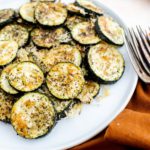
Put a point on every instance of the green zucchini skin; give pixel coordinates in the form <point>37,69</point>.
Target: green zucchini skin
<point>4,84</point>
<point>24,8</point>
<point>103,36</point>
<point>9,19</point>
<point>88,10</point>
<point>85,69</point>
<point>54,116</point>
<point>63,114</point>
<point>96,78</point>
<point>76,10</point>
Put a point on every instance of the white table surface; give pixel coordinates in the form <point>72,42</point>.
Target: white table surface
<point>131,11</point>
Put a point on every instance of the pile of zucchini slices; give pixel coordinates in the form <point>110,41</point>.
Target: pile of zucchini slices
<point>53,58</point>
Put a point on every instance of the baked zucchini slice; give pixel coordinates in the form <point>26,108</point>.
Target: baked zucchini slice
<point>62,35</point>
<point>109,30</point>
<point>15,33</point>
<point>90,90</point>
<point>26,76</point>
<point>27,11</point>
<point>72,8</point>
<point>44,90</point>
<point>33,115</point>
<point>25,54</point>
<point>61,106</point>
<point>74,20</point>
<point>65,81</point>
<point>85,34</point>
<point>4,83</point>
<point>6,16</point>
<point>47,38</point>
<point>6,104</point>
<point>106,62</point>
<point>74,110</point>
<point>8,51</point>
<point>89,7</point>
<point>50,14</point>
<point>62,53</point>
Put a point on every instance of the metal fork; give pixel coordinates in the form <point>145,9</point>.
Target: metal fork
<point>138,42</point>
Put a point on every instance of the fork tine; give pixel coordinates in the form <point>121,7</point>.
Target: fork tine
<point>133,54</point>
<point>139,42</point>
<point>131,46</point>
<point>134,44</point>
<point>143,38</point>
<point>148,35</point>
<point>135,61</point>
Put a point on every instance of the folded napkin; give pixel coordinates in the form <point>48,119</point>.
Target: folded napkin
<point>131,129</point>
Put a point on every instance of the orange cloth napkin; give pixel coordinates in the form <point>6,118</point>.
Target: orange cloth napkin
<point>131,129</point>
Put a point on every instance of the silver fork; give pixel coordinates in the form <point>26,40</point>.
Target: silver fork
<point>138,42</point>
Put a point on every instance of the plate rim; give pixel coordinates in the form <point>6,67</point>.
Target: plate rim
<point>96,131</point>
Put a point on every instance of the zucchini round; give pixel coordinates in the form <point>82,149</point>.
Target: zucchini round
<point>33,115</point>
<point>74,110</point>
<point>6,16</point>
<point>85,34</point>
<point>72,8</point>
<point>24,55</point>
<point>89,7</point>
<point>109,30</point>
<point>90,90</point>
<point>106,63</point>
<point>44,90</point>
<point>8,51</point>
<point>62,35</point>
<point>16,33</point>
<point>61,106</point>
<point>6,104</point>
<point>65,81</point>
<point>61,53</point>
<point>47,38</point>
<point>27,11</point>
<point>50,14</point>
<point>4,80</point>
<point>26,77</point>
<point>74,20</point>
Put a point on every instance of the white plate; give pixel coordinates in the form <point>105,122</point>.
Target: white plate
<point>93,118</point>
